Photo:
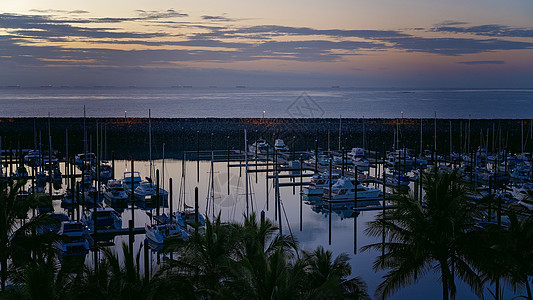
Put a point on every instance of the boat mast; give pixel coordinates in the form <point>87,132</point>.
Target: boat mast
<point>163,167</point>
<point>213,182</point>
<point>451,147</point>
<point>364,134</point>
<point>340,131</point>
<point>150,142</point>
<point>435,135</point>
<point>421,146</point>
<point>246,170</point>
<point>522,135</point>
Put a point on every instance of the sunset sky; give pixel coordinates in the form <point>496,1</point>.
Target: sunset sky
<point>382,43</point>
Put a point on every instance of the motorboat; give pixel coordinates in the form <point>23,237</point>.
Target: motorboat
<point>53,226</point>
<point>73,238</point>
<point>397,180</point>
<point>186,219</point>
<point>345,191</point>
<point>147,191</point>
<point>106,171</point>
<point>279,146</point>
<point>114,191</point>
<point>319,182</point>
<point>399,157</point>
<point>356,152</point>
<point>164,232</point>
<point>33,158</point>
<point>83,158</point>
<point>106,218</point>
<point>57,177</point>
<point>361,163</point>
<point>260,146</point>
<point>128,178</point>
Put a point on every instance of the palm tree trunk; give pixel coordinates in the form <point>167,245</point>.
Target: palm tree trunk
<point>444,275</point>
<point>528,289</point>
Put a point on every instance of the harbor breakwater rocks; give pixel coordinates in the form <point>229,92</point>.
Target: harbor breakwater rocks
<point>129,138</point>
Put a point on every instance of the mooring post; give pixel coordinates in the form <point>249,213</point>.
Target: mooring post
<point>266,180</point>
<point>131,237</point>
<point>157,193</point>
<point>342,161</point>
<point>383,210</point>
<point>196,208</point>
<point>197,156</point>
<point>356,184</point>
<point>228,171</point>
<point>77,201</point>
<point>301,192</point>
<point>132,193</point>
<point>113,164</point>
<point>329,196</point>
<point>146,262</point>
<point>171,197</point>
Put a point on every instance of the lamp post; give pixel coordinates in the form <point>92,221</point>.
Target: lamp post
<point>264,111</point>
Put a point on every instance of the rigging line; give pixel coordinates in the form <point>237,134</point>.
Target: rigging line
<point>287,220</point>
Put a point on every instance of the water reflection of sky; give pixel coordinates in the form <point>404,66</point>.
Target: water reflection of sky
<point>315,220</point>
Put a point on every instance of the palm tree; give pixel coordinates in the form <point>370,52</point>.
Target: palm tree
<point>432,235</point>
<point>112,279</point>
<point>326,277</point>
<point>205,258</point>
<point>262,267</point>
<point>511,252</point>
<point>17,241</point>
<point>39,280</point>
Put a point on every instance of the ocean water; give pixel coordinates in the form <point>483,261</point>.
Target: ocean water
<point>186,102</point>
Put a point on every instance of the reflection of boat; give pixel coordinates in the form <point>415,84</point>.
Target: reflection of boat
<point>20,172</point>
<point>164,232</point>
<point>73,239</point>
<point>343,211</point>
<point>106,218</point>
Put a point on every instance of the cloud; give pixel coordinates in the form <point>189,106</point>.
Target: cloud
<point>59,11</point>
<point>217,18</point>
<point>44,27</point>
<point>160,14</point>
<point>482,62</point>
<point>455,46</point>
<point>493,30</point>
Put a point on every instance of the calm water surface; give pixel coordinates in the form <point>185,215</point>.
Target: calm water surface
<point>315,218</point>
<point>277,103</point>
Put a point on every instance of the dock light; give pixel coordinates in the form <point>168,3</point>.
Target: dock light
<point>264,111</point>
<point>125,115</point>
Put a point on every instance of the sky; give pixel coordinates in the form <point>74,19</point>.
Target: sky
<point>290,43</point>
